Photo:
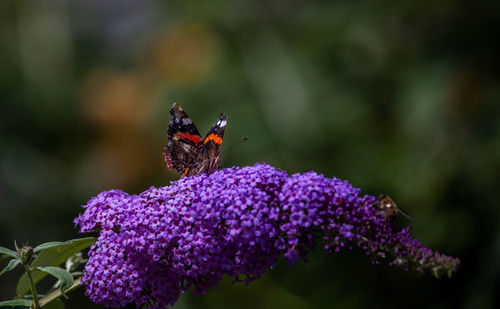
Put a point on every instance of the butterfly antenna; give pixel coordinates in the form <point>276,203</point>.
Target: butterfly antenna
<point>235,144</point>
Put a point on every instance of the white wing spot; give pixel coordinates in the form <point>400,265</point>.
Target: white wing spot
<point>222,123</point>
<point>186,121</point>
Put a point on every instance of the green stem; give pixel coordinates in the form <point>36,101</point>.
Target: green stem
<point>57,293</point>
<point>32,286</point>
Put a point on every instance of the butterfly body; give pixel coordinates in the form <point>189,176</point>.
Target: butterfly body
<point>186,151</point>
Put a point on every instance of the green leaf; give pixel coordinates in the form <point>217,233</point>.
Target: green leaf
<point>16,303</point>
<point>8,252</point>
<point>52,257</point>
<point>48,245</point>
<point>62,274</point>
<point>12,264</point>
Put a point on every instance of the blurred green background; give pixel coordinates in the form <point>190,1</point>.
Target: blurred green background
<point>400,97</point>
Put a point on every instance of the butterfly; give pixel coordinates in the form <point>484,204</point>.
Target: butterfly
<point>389,208</point>
<point>186,151</point>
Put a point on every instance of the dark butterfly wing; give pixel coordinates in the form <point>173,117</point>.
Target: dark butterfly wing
<point>215,135</point>
<point>212,143</point>
<point>182,127</point>
<point>184,140</point>
<point>183,156</point>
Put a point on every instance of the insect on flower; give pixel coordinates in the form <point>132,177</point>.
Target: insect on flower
<point>389,208</point>
<point>186,151</point>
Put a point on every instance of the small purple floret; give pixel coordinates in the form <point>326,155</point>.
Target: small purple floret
<point>237,221</point>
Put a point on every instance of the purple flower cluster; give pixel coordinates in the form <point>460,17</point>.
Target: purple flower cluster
<point>236,221</point>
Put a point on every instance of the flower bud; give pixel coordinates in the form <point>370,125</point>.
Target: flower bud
<point>25,253</point>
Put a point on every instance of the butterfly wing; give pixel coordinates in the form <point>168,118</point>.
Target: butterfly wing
<point>182,127</point>
<point>184,141</point>
<point>184,156</point>
<point>211,144</point>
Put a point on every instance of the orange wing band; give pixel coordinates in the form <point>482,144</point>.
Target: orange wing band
<point>213,137</point>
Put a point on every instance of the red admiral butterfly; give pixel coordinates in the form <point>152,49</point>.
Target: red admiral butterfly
<point>186,151</point>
